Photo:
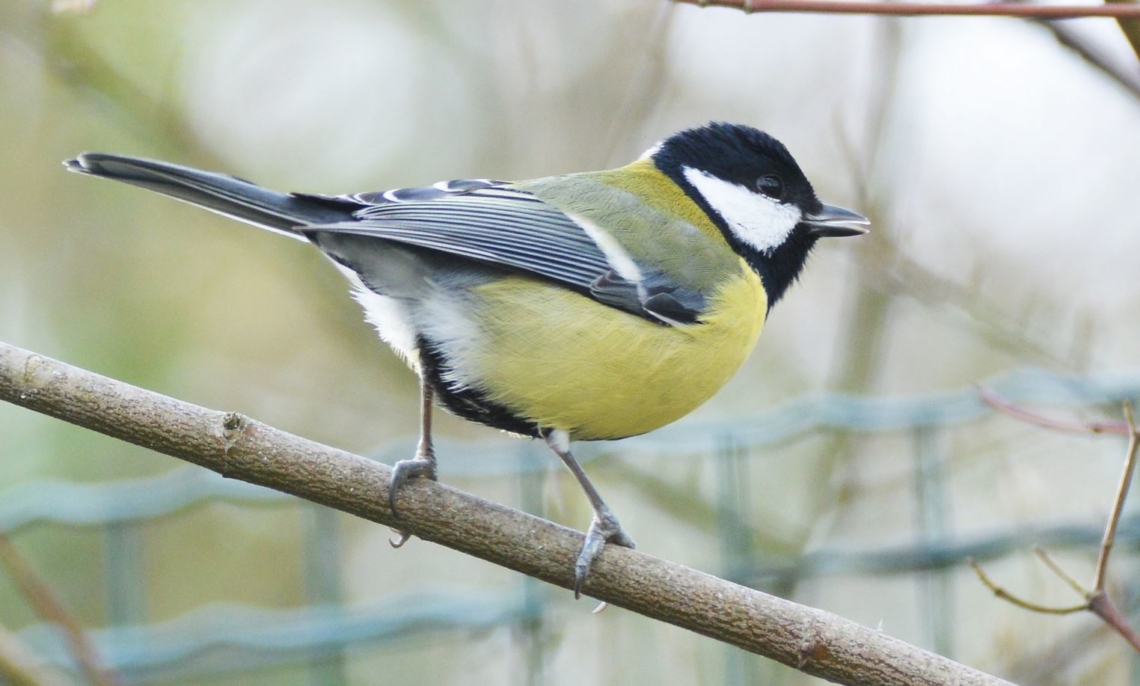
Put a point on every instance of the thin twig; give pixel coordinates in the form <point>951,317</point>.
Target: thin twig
<point>1118,503</point>
<point>51,609</point>
<point>908,9</point>
<point>1008,407</point>
<point>1096,600</point>
<point>1061,573</point>
<point>1041,664</point>
<point>1005,595</point>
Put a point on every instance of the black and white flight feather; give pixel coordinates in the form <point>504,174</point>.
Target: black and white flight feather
<point>480,220</point>
<point>491,223</point>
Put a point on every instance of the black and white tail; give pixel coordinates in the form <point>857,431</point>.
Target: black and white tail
<point>221,193</point>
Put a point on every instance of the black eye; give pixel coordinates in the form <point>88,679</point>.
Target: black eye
<point>771,186</point>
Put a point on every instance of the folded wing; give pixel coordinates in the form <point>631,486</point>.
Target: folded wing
<point>492,224</point>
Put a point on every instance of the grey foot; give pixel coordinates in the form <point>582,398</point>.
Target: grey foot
<point>604,529</point>
<point>420,466</point>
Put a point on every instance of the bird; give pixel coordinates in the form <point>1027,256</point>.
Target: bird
<point>585,306</point>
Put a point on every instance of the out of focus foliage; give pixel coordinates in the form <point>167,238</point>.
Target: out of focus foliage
<point>999,168</point>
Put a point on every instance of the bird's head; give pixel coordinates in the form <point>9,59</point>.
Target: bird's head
<point>753,190</point>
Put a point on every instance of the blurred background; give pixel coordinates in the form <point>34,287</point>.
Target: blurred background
<point>850,465</point>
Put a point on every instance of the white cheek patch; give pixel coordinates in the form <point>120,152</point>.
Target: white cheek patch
<point>754,218</point>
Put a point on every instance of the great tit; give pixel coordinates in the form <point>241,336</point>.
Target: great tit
<point>588,306</point>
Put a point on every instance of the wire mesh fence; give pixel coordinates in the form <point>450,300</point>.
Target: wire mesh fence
<point>326,625</point>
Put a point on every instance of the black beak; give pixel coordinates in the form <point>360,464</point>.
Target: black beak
<point>835,222</point>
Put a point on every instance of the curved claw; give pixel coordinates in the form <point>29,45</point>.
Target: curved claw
<point>420,466</point>
<point>604,529</point>
<point>403,538</point>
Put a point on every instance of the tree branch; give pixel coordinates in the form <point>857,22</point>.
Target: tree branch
<point>918,9</point>
<point>811,640</point>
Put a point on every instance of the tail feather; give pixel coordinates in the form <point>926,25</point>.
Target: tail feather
<point>227,195</point>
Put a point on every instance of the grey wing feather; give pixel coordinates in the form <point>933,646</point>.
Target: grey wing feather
<point>518,232</point>
<point>483,220</point>
<point>655,295</point>
<point>512,229</point>
<point>668,302</point>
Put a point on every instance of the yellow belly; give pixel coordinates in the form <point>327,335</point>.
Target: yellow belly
<point>566,362</point>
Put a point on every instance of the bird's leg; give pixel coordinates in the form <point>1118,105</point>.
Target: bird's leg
<point>422,465</point>
<point>604,528</point>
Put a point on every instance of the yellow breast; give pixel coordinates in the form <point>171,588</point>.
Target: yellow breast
<point>567,362</point>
